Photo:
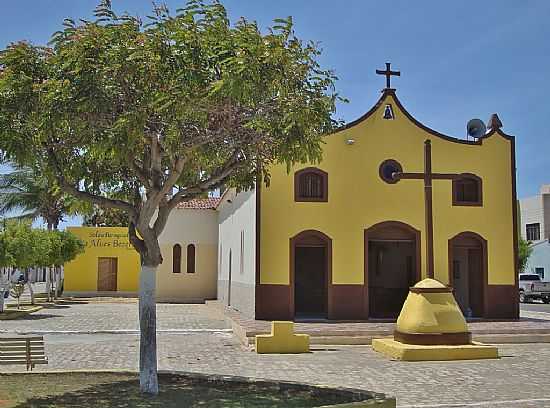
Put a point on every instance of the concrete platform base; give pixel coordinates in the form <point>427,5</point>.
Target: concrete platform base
<point>411,352</point>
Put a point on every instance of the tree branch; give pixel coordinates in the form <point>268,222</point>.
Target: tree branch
<point>214,181</point>
<point>84,195</point>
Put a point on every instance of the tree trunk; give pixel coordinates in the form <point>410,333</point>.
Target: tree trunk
<point>2,293</point>
<point>48,283</point>
<point>148,378</point>
<point>29,284</point>
<point>57,281</point>
<point>4,286</point>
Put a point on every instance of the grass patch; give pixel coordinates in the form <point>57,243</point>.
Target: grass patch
<point>12,312</point>
<point>122,390</point>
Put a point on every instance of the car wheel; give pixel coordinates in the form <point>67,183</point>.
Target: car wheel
<point>546,300</point>
<point>522,298</point>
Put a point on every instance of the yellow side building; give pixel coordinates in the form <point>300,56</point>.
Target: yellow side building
<point>109,264</point>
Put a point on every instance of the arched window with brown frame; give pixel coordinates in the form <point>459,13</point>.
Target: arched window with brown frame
<point>311,184</point>
<point>190,258</point>
<point>176,258</point>
<point>468,190</point>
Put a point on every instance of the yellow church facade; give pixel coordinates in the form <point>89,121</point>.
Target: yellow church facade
<point>345,238</point>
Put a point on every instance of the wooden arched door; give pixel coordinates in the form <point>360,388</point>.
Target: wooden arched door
<point>468,272</point>
<point>392,266</point>
<point>310,274</point>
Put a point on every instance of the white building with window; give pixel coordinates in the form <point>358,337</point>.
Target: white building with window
<point>535,227</point>
<point>535,215</point>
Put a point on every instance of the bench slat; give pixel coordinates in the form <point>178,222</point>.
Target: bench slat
<point>21,347</point>
<point>21,340</point>
<point>18,345</point>
<point>14,362</point>
<point>31,338</point>
<point>3,356</point>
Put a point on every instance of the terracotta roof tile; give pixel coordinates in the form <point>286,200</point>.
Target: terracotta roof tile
<point>200,203</point>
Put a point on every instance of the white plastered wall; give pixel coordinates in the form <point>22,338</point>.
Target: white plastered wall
<point>237,236</point>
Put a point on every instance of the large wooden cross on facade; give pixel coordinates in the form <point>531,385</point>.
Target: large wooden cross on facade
<point>427,176</point>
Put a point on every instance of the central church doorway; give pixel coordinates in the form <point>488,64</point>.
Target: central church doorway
<point>392,253</point>
<point>310,270</point>
<point>467,267</point>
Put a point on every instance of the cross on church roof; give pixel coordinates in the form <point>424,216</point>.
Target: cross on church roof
<point>388,73</point>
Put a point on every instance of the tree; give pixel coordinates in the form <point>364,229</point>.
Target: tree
<point>5,261</point>
<point>524,252</point>
<point>63,247</point>
<point>140,117</point>
<point>26,247</point>
<point>36,196</point>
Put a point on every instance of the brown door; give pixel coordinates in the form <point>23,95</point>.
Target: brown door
<point>475,275</point>
<point>107,274</point>
<point>391,273</point>
<point>310,281</point>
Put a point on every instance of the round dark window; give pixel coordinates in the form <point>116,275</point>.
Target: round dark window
<point>387,170</point>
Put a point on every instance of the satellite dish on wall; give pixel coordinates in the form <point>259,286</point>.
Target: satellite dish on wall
<point>476,128</point>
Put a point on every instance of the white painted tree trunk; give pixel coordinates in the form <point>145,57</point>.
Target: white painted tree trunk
<point>148,378</point>
<point>48,282</point>
<point>29,284</point>
<point>4,287</point>
<point>57,282</point>
<point>31,291</point>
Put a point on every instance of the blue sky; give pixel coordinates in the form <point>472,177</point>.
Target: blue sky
<point>458,60</point>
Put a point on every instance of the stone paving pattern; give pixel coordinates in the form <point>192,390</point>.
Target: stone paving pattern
<point>522,373</point>
<point>120,315</point>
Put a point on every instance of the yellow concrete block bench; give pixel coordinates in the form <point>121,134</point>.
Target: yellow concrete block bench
<point>282,340</point>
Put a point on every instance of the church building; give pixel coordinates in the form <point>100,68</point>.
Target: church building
<point>390,203</point>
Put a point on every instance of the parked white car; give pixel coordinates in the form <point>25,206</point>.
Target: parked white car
<point>531,288</point>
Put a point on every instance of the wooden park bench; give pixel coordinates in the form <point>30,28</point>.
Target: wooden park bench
<point>27,350</point>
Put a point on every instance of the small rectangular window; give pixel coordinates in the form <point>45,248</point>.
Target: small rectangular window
<point>540,272</point>
<point>533,232</point>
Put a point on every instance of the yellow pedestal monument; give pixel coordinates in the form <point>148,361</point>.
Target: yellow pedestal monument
<point>282,340</point>
<point>432,327</point>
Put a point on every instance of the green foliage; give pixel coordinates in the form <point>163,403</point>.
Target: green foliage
<point>33,195</point>
<point>141,116</point>
<point>524,252</point>
<point>64,247</point>
<point>106,217</point>
<point>23,246</point>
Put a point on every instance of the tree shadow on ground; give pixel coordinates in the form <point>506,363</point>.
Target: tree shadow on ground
<point>54,306</point>
<point>73,302</point>
<point>37,316</point>
<point>182,392</point>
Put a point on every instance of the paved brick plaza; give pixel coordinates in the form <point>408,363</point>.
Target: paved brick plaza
<point>193,338</point>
